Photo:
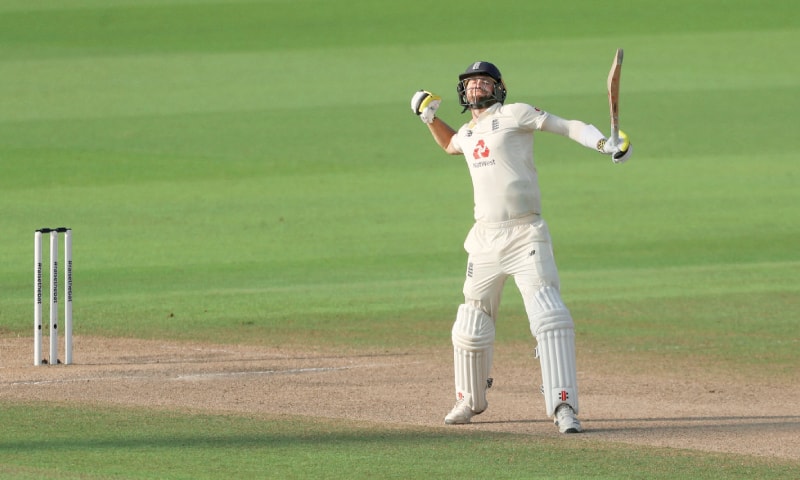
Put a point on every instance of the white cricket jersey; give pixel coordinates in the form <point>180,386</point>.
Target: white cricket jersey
<point>498,148</point>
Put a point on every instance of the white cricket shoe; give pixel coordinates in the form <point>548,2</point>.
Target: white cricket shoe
<point>566,421</point>
<point>460,414</point>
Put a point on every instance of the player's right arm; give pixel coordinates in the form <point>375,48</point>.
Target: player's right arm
<point>424,104</point>
<point>443,134</point>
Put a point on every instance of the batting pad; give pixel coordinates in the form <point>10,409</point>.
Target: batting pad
<point>473,339</point>
<point>555,336</point>
<point>556,350</point>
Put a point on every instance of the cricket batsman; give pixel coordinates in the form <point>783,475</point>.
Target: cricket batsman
<point>509,238</point>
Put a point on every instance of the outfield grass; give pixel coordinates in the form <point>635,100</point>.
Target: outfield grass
<point>251,170</point>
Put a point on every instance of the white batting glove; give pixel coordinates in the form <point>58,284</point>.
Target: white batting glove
<point>425,104</point>
<point>620,151</point>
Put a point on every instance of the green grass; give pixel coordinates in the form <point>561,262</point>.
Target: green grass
<point>67,442</point>
<point>252,169</point>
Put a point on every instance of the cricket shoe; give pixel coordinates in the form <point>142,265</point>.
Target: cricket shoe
<point>566,421</point>
<point>461,413</point>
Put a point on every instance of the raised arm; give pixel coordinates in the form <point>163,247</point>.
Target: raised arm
<point>588,136</point>
<point>443,134</point>
<point>425,104</point>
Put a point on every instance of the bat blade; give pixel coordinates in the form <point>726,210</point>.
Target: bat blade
<point>613,94</point>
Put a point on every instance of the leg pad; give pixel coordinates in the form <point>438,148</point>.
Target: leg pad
<point>473,344</point>
<point>551,324</point>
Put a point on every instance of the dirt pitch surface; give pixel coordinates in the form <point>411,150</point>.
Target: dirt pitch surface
<point>661,405</point>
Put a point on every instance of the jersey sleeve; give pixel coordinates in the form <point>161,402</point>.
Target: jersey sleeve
<point>528,116</point>
<point>454,141</point>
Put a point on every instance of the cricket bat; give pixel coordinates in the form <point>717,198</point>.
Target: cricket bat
<point>613,95</point>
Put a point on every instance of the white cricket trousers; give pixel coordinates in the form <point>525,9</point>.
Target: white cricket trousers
<point>519,248</point>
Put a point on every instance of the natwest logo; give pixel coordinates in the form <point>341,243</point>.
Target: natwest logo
<point>481,150</point>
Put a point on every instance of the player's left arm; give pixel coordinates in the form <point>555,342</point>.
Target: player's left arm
<point>588,136</point>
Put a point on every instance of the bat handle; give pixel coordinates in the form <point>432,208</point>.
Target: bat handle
<point>613,139</point>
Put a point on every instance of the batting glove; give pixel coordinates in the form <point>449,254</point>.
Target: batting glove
<point>425,104</point>
<point>620,151</point>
